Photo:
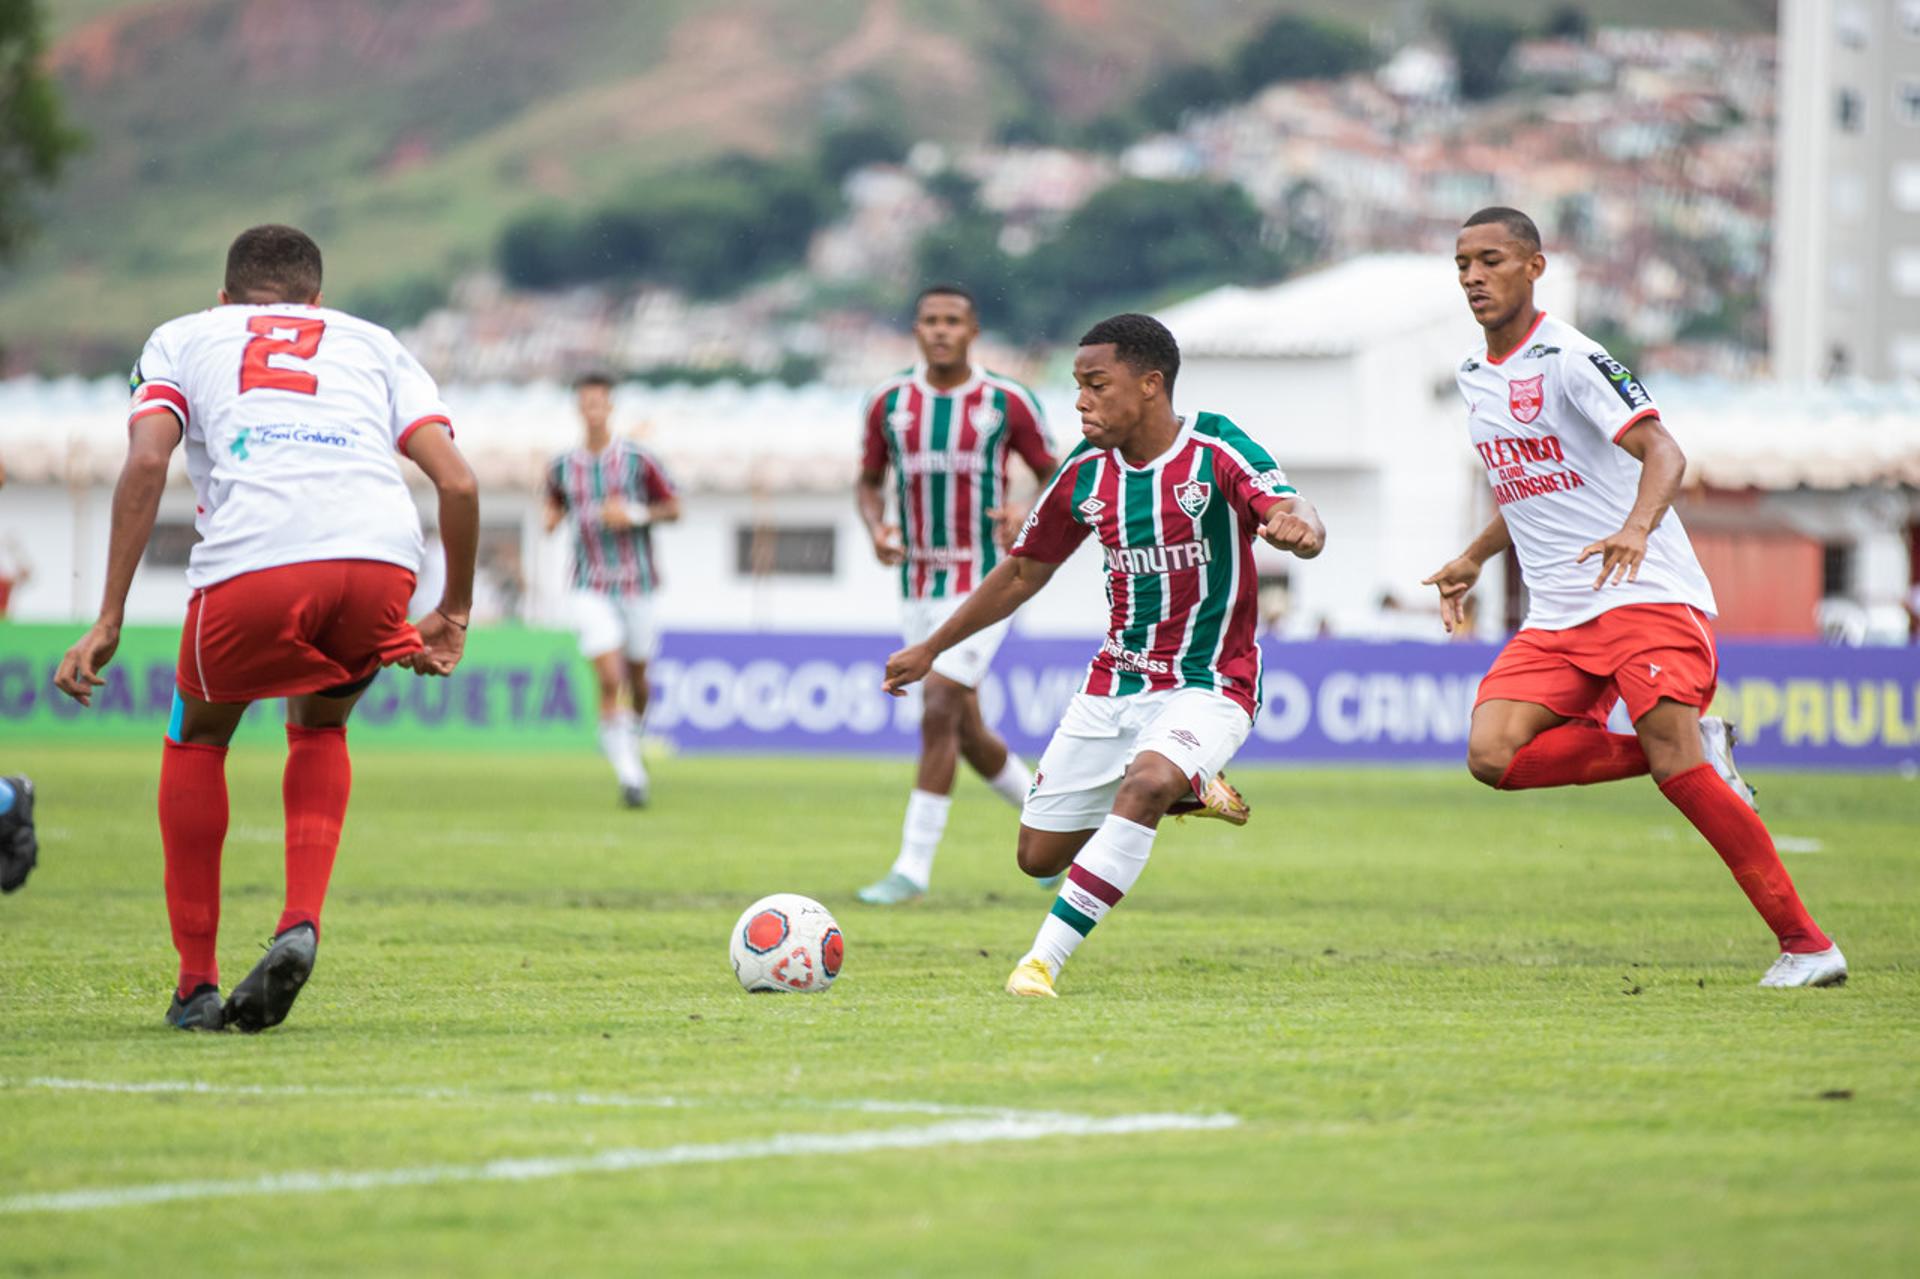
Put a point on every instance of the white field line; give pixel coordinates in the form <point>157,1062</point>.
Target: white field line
<point>587,1100</point>
<point>958,1132</point>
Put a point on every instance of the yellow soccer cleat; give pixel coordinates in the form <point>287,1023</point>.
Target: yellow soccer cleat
<point>1221,801</point>
<point>1033,979</point>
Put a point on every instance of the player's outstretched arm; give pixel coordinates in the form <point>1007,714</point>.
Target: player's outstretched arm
<point>1662,467</point>
<point>445,629</point>
<point>136,503</point>
<point>1457,576</point>
<point>1011,584</point>
<point>1293,525</point>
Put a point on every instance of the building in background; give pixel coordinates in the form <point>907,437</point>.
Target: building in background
<point>1846,242</point>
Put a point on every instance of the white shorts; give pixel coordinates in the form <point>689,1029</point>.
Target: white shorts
<point>966,662</point>
<point>616,624</point>
<point>1080,773</point>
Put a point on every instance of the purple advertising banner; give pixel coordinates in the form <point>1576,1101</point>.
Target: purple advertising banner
<point>1326,700</point>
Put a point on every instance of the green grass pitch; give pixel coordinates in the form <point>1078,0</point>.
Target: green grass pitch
<point>1461,1033</point>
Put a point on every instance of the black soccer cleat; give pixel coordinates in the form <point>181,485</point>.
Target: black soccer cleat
<point>19,847</point>
<point>633,796</point>
<point>201,1010</point>
<point>264,996</point>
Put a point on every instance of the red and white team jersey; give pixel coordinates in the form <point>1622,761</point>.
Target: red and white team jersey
<point>949,451</point>
<point>293,418</point>
<point>1547,419</point>
<point>1177,533</point>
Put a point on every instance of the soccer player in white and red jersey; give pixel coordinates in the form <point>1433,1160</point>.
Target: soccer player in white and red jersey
<point>948,431</point>
<point>1582,471</point>
<point>613,491</point>
<point>1171,695</point>
<point>294,418</point>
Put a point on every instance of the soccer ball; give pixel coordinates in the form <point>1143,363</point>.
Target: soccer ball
<point>786,942</point>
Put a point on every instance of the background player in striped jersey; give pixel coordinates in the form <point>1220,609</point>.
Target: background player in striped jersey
<point>946,429</point>
<point>613,492</point>
<point>1171,695</point>
<point>293,418</point>
<point>1582,467</point>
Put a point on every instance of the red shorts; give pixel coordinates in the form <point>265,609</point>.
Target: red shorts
<point>299,628</point>
<point>1642,652</point>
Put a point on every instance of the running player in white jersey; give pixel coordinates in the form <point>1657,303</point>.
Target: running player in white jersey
<point>1583,471</point>
<point>294,419</point>
<point>1171,695</point>
<point>947,430</point>
<point>613,492</point>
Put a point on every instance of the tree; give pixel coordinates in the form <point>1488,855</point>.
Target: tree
<point>1293,47</point>
<point>846,147</point>
<point>1481,44</point>
<point>1192,86</point>
<point>35,139</point>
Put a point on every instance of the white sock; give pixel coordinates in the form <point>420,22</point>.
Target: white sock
<point>1014,781</point>
<point>920,835</point>
<point>621,746</point>
<point>1103,873</point>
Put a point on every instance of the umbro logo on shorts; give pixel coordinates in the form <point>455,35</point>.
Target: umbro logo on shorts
<point>1185,738</point>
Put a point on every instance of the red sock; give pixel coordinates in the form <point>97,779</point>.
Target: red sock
<point>1740,837</point>
<point>1574,755</point>
<point>193,826</point>
<point>314,788</point>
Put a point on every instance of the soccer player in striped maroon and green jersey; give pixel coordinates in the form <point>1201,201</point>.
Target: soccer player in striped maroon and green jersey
<point>1176,504</point>
<point>947,431</point>
<point>612,491</point>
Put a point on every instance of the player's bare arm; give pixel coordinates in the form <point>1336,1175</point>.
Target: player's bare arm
<point>1456,577</point>
<point>1662,466</point>
<point>445,629</point>
<point>1293,525</point>
<point>136,504</point>
<point>555,514</point>
<point>1012,583</point>
<point>872,504</point>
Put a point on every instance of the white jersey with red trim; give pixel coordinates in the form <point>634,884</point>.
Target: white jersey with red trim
<point>293,419</point>
<point>1546,420</point>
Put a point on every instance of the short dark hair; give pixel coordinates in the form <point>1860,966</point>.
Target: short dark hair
<point>946,289</point>
<point>593,377</point>
<point>272,259</point>
<point>1140,342</point>
<point>1517,223</point>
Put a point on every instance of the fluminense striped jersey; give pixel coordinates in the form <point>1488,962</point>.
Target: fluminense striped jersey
<point>1177,535</point>
<point>948,451</point>
<point>607,560</point>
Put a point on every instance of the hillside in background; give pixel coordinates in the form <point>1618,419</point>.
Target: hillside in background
<point>405,136</point>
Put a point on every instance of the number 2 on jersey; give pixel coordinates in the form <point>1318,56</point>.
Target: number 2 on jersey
<point>258,375</point>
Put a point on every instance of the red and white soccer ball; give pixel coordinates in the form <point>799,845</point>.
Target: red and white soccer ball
<point>786,942</point>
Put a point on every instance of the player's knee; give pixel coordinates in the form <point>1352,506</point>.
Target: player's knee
<point>1488,759</point>
<point>1039,857</point>
<point>941,712</point>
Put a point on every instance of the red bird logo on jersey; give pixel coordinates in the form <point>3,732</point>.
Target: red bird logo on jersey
<point>1524,398</point>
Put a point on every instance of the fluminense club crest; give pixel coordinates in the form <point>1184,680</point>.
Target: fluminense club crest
<point>901,420</point>
<point>1193,497</point>
<point>985,417</point>
<point>1525,397</point>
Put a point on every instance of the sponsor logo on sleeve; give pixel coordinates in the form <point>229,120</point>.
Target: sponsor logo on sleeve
<point>1624,384</point>
<point>135,378</point>
<point>1525,397</point>
<point>1273,483</point>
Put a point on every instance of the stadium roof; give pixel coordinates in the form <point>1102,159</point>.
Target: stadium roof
<point>1328,312</point>
<point>769,438</point>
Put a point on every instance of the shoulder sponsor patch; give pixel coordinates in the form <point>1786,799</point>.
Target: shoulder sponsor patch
<point>1625,385</point>
<point>1273,483</point>
<point>1539,351</point>
<point>1469,364</point>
